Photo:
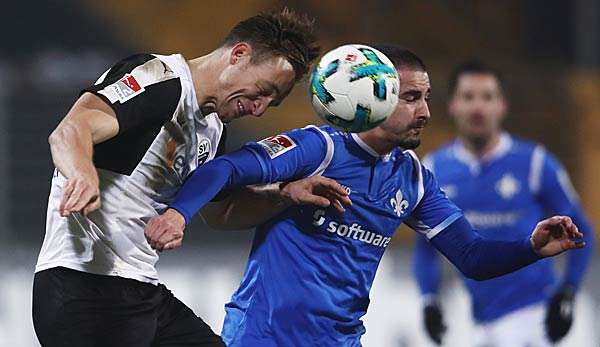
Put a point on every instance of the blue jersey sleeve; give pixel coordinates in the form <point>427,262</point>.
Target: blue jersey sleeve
<point>426,266</point>
<point>434,211</point>
<point>292,155</point>
<point>558,196</point>
<point>284,157</point>
<point>479,258</point>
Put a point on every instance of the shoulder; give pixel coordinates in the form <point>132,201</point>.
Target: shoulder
<point>524,147</point>
<point>140,74</point>
<point>440,156</point>
<point>307,139</point>
<point>145,67</point>
<point>444,152</point>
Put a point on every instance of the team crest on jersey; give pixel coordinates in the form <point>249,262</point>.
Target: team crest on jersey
<point>127,88</point>
<point>203,151</point>
<point>277,145</point>
<point>507,186</point>
<point>399,204</point>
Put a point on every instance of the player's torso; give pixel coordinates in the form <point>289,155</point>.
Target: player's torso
<point>497,198</point>
<point>328,257</point>
<point>495,195</point>
<point>139,174</point>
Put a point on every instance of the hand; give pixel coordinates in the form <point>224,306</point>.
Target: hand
<point>80,194</point>
<point>316,190</point>
<point>165,231</point>
<point>555,235</point>
<point>559,316</point>
<point>434,322</point>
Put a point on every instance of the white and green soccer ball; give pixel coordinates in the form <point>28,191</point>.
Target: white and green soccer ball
<point>354,88</point>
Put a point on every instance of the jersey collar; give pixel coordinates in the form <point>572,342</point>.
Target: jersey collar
<point>461,153</point>
<point>365,147</point>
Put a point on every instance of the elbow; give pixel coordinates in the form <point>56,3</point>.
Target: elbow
<point>473,273</point>
<point>217,215</point>
<point>216,223</point>
<point>62,134</point>
<point>55,137</point>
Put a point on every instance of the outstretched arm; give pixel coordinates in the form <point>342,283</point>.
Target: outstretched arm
<point>481,259</point>
<point>285,157</point>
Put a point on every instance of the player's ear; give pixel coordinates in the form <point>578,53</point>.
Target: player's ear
<point>240,52</point>
<point>504,104</point>
<point>451,106</point>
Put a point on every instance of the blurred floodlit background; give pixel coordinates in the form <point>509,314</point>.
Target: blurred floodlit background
<point>548,50</point>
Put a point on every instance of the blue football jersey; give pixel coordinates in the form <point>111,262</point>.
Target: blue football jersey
<point>504,195</point>
<point>310,269</point>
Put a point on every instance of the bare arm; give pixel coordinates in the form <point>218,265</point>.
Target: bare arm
<point>245,208</point>
<point>88,122</point>
<point>254,205</point>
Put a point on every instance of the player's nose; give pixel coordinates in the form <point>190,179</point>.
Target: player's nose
<point>423,110</point>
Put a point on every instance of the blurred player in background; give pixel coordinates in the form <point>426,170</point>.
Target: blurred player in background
<point>310,270</point>
<point>130,141</point>
<point>504,185</point>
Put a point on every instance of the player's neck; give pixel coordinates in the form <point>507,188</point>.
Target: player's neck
<point>480,147</point>
<point>377,141</point>
<point>205,71</point>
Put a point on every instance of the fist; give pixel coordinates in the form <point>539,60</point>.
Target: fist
<point>165,231</point>
<point>80,194</point>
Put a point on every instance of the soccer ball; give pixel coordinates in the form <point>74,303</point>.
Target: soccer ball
<point>354,88</point>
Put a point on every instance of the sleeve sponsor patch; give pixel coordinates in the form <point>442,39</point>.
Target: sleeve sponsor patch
<point>277,145</point>
<point>124,89</point>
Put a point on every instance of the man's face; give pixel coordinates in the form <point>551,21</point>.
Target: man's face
<point>478,105</point>
<point>404,126</point>
<point>248,88</point>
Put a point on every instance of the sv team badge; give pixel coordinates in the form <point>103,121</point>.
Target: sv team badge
<point>277,145</point>
<point>203,151</point>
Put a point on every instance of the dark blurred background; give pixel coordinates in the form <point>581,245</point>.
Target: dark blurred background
<point>548,51</point>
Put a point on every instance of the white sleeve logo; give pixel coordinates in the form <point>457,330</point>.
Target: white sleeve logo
<point>277,145</point>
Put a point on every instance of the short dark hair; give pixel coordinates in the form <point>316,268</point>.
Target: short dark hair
<point>473,67</point>
<point>401,57</point>
<point>285,33</point>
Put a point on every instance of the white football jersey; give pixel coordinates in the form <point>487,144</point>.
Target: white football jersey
<point>162,138</point>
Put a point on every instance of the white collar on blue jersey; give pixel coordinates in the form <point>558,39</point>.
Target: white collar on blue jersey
<point>473,162</point>
<point>362,144</point>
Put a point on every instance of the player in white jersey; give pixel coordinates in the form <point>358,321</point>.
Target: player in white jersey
<point>121,153</point>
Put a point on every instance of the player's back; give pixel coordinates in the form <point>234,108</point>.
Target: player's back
<point>310,269</point>
<point>499,197</point>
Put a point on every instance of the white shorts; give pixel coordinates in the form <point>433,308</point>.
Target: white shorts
<point>522,328</point>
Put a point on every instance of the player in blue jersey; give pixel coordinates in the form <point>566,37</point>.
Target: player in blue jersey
<point>504,185</point>
<point>311,268</point>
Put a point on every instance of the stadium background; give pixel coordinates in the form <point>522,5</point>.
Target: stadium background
<point>548,50</point>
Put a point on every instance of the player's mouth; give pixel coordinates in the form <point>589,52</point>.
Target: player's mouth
<point>240,108</point>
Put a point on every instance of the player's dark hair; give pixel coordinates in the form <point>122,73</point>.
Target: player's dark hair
<point>284,33</point>
<point>400,56</point>
<point>473,67</point>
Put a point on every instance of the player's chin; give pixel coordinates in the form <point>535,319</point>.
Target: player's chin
<point>410,143</point>
<point>228,116</point>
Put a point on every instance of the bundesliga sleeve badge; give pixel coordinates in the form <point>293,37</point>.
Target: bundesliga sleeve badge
<point>124,89</point>
<point>277,145</point>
